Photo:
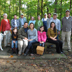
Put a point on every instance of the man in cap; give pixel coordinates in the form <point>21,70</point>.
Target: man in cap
<point>48,20</point>
<point>45,22</point>
<point>57,23</point>
<point>66,29</point>
<point>22,20</point>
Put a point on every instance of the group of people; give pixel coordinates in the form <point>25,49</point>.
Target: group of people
<point>24,34</point>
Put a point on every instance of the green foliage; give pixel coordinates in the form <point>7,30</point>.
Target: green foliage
<point>32,8</point>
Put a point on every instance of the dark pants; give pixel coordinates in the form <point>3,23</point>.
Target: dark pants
<point>58,44</point>
<point>42,44</point>
<point>30,44</point>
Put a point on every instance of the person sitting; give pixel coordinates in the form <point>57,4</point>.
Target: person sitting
<point>22,39</point>
<point>42,36</point>
<point>14,40</point>
<point>32,38</point>
<point>52,34</point>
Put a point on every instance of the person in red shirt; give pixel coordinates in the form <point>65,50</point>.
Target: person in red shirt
<point>5,27</point>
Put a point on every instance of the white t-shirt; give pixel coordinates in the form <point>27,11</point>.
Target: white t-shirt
<point>44,19</point>
<point>15,23</point>
<point>67,17</point>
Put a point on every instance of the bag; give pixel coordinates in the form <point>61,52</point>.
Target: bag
<point>40,50</point>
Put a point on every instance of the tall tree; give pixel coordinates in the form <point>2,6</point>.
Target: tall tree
<point>41,8</point>
<point>55,6</point>
<point>19,7</point>
<point>61,10</point>
<point>9,8</point>
<point>38,8</point>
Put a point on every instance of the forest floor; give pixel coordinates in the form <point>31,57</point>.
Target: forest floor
<point>49,62</point>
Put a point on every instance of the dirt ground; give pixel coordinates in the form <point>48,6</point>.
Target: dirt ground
<point>49,65</point>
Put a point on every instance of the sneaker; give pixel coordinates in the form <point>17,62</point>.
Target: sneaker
<point>22,53</point>
<point>69,50</point>
<point>25,54</point>
<point>31,54</point>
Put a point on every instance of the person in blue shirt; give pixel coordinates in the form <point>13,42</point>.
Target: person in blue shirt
<point>32,21</point>
<point>32,38</point>
<point>22,20</point>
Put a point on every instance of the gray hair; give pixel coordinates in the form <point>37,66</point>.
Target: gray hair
<point>5,14</point>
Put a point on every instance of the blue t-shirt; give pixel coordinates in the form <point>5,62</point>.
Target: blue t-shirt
<point>25,29</point>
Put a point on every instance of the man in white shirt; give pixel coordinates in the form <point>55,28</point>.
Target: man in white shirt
<point>15,22</point>
<point>48,20</point>
<point>45,22</point>
<point>66,29</point>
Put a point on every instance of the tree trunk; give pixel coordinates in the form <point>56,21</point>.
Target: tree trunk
<point>47,10</point>
<point>9,9</point>
<point>61,10</point>
<point>55,7</point>
<point>41,8</point>
<point>13,6</point>
<point>38,8</point>
<point>19,7</point>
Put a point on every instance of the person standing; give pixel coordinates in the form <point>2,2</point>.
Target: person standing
<point>15,22</point>
<point>32,21</point>
<point>5,27</point>
<point>66,29</point>
<point>57,23</point>
<point>45,22</point>
<point>38,23</point>
<point>22,39</point>
<point>48,20</point>
<point>22,20</point>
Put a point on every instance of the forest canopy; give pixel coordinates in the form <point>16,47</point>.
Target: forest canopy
<point>34,8</point>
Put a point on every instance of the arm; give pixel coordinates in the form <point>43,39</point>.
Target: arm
<point>1,25</point>
<point>12,23</point>
<point>35,35</point>
<point>59,25</point>
<point>28,34</point>
<point>49,36</point>
<point>42,19</point>
<point>56,34</point>
<point>45,37</point>
<point>25,19</point>
<point>20,34</point>
<point>39,39</point>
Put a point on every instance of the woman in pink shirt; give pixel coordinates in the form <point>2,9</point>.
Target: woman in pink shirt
<point>42,36</point>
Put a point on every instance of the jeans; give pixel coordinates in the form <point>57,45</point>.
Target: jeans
<point>16,44</point>
<point>42,44</point>
<point>58,44</point>
<point>30,44</point>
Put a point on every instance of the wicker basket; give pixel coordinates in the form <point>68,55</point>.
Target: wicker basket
<point>40,50</point>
